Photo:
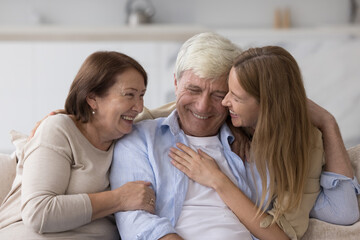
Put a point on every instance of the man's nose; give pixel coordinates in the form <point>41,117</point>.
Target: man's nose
<point>204,103</point>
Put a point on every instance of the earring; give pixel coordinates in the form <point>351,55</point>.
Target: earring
<point>93,112</point>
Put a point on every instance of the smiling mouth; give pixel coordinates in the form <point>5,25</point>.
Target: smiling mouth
<point>199,116</point>
<point>129,118</point>
<point>232,113</point>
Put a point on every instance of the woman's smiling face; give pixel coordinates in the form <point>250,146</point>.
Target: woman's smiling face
<point>243,107</point>
<point>116,111</point>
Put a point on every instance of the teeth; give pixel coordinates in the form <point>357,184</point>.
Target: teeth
<point>232,112</point>
<point>128,118</point>
<point>200,117</point>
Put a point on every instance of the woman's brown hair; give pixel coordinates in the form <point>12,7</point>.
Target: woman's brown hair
<point>96,76</point>
<point>281,142</point>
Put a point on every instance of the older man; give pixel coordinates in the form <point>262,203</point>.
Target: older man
<point>184,208</point>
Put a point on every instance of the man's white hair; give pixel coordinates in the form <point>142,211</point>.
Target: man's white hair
<point>208,55</point>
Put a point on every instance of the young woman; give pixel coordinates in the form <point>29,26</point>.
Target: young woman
<point>62,189</point>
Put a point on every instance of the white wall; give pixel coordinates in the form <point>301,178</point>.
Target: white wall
<point>211,13</point>
<point>35,76</point>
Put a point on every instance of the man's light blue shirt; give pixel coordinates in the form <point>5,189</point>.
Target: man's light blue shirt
<point>143,155</point>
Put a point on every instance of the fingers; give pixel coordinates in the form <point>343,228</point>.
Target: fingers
<point>149,205</point>
<point>58,111</point>
<point>143,182</point>
<point>180,158</point>
<point>181,167</point>
<point>204,154</point>
<point>186,149</point>
<point>148,196</point>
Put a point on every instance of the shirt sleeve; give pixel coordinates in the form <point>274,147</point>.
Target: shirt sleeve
<point>337,202</point>
<point>46,175</point>
<point>295,222</point>
<point>130,163</point>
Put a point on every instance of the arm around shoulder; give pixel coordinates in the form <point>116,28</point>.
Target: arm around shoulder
<point>336,157</point>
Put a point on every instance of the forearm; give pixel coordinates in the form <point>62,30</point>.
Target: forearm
<point>142,225</point>
<point>336,157</point>
<point>45,214</point>
<point>246,210</point>
<point>103,204</point>
<point>45,205</point>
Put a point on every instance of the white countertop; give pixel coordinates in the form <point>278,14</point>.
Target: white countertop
<point>158,32</point>
<point>99,33</point>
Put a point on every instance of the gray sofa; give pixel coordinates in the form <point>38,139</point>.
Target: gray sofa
<point>317,230</point>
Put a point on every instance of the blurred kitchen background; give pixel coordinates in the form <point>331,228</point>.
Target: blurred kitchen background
<point>44,42</point>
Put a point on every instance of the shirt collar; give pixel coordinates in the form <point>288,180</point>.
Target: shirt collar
<point>172,122</point>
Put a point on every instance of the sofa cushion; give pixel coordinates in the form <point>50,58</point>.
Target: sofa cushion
<point>8,163</point>
<point>319,230</point>
<point>354,154</point>
<point>7,173</point>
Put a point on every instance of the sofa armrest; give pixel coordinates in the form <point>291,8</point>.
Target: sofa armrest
<point>7,173</point>
<point>320,230</point>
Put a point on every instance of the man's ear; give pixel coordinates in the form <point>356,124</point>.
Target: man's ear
<point>175,82</point>
<point>91,100</point>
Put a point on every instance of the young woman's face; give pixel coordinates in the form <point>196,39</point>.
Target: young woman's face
<point>116,111</point>
<point>243,108</point>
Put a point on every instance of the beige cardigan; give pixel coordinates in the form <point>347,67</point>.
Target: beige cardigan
<point>57,169</point>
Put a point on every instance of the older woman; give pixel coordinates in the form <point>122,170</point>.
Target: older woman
<point>61,189</point>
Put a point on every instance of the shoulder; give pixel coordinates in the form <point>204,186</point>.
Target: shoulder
<point>54,131</point>
<point>162,111</point>
<point>316,139</point>
<point>58,121</point>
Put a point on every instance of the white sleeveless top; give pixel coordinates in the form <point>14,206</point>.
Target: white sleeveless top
<point>204,214</point>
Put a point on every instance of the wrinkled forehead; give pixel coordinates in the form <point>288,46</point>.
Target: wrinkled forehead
<point>190,77</point>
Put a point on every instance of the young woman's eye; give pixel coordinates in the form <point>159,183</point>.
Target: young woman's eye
<point>236,99</point>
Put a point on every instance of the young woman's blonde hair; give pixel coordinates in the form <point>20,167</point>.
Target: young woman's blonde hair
<point>281,142</point>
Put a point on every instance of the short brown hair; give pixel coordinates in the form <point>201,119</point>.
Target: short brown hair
<point>97,76</point>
